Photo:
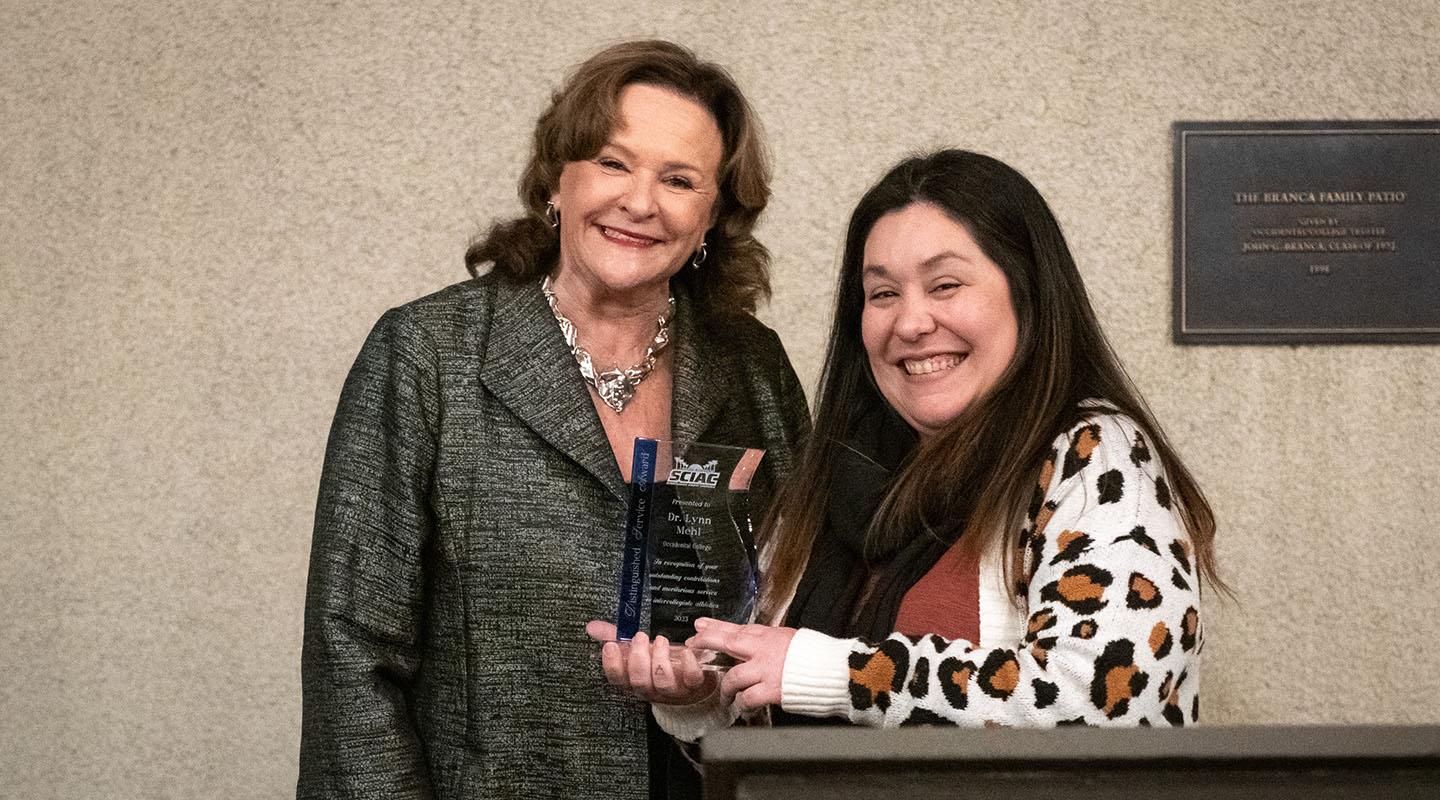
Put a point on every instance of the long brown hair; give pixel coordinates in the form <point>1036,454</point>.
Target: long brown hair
<point>579,121</point>
<point>977,475</point>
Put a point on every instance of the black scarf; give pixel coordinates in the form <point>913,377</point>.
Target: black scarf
<point>841,568</point>
<point>848,589</point>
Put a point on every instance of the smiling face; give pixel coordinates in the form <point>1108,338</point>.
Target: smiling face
<point>938,324</point>
<point>632,215</point>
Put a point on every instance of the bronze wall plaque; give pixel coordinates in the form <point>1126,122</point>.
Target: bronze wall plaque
<point>1307,232</point>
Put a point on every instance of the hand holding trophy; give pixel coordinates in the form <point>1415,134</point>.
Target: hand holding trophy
<point>689,553</point>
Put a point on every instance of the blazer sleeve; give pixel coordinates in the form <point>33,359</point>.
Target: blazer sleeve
<point>364,607</point>
<point>1112,636</point>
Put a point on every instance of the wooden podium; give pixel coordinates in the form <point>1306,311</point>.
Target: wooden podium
<point>1201,763</point>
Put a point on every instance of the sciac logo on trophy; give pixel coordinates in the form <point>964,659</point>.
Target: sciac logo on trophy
<point>706,475</point>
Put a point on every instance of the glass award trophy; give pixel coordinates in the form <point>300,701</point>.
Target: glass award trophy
<point>689,546</point>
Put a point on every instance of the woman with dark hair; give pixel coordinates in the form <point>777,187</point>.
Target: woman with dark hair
<point>1006,537</point>
<point>473,499</point>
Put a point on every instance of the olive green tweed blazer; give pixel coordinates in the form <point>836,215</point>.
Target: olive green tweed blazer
<point>469,524</point>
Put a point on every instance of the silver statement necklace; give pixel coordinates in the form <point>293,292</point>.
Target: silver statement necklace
<point>615,386</point>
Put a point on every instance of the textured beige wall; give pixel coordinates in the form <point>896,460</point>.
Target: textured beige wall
<point>205,205</point>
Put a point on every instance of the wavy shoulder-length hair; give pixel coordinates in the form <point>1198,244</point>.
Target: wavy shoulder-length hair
<point>976,476</point>
<point>579,121</point>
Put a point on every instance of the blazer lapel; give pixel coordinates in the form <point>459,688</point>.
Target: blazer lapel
<point>530,369</point>
<point>703,379</point>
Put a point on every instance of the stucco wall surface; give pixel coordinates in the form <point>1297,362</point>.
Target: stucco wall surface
<point>204,206</point>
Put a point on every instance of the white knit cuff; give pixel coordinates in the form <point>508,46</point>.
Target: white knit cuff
<point>689,722</point>
<point>816,677</point>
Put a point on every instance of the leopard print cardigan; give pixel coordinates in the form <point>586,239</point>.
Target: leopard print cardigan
<point>1105,626</point>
